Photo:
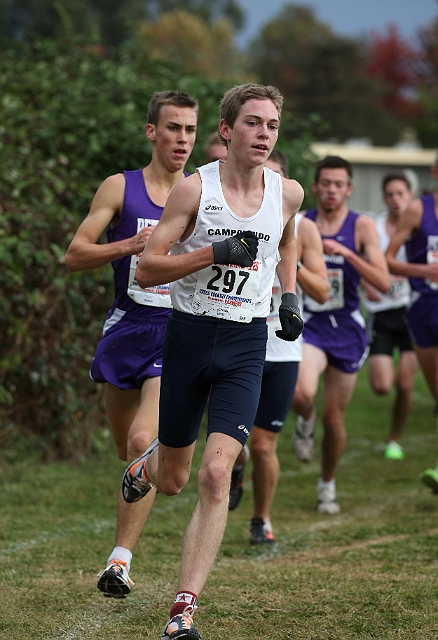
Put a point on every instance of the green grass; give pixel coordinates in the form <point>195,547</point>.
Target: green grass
<point>369,572</point>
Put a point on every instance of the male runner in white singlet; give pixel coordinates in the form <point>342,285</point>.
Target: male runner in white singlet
<point>226,229</point>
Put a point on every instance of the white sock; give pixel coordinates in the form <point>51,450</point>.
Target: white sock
<point>267,526</point>
<point>331,484</point>
<point>121,553</point>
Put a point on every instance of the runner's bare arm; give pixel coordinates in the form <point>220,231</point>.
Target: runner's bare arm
<point>293,195</point>
<point>312,275</point>
<point>371,264</point>
<point>85,252</point>
<point>374,267</point>
<point>371,292</point>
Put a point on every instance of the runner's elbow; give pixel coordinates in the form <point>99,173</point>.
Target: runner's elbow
<point>385,284</point>
<point>141,275</point>
<point>146,276</point>
<point>323,295</point>
<point>70,261</point>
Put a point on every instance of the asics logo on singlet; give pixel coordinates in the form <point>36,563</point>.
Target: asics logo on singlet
<point>244,429</point>
<point>213,207</point>
<point>263,237</point>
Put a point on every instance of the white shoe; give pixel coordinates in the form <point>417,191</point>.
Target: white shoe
<point>114,581</point>
<point>304,438</point>
<point>327,502</point>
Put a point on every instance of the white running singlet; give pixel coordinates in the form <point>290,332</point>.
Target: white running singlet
<point>400,291</point>
<point>231,292</point>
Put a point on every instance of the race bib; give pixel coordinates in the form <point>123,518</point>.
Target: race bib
<point>336,297</point>
<point>156,296</point>
<point>227,291</point>
<point>399,288</point>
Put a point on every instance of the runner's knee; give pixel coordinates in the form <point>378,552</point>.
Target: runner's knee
<point>214,479</point>
<point>172,485</point>
<point>302,400</point>
<point>138,443</point>
<point>381,387</point>
<point>261,450</point>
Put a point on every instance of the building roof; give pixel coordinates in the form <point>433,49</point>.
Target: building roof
<point>361,154</point>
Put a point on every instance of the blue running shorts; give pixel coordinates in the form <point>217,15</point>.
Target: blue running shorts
<point>214,360</point>
<point>278,386</point>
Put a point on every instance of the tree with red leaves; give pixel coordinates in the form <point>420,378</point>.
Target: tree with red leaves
<point>396,63</point>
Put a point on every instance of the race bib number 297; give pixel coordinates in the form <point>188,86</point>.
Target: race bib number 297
<point>227,291</point>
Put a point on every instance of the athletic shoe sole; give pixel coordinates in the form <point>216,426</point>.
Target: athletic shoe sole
<point>112,585</point>
<point>135,487</point>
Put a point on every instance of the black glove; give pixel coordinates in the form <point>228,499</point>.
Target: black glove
<point>291,322</point>
<point>240,249</point>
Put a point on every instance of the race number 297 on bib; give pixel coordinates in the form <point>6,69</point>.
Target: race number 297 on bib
<point>227,291</point>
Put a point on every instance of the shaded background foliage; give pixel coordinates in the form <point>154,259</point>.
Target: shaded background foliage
<point>376,86</point>
<point>113,22</point>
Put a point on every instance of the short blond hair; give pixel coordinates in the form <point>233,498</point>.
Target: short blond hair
<point>236,97</point>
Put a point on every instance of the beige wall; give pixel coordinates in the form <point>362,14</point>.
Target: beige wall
<point>370,164</point>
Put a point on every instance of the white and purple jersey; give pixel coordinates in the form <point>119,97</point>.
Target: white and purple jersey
<point>130,350</point>
<point>337,327</point>
<point>343,277</point>
<point>422,313</point>
<point>138,211</point>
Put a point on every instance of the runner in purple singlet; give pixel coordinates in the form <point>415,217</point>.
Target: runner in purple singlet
<point>387,328</point>
<point>418,230</point>
<point>128,358</point>
<point>334,340</point>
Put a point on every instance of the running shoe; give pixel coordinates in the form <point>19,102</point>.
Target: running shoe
<point>261,532</point>
<point>236,486</point>
<point>181,626</point>
<point>430,479</point>
<point>394,451</point>
<point>303,439</point>
<point>134,484</point>
<point>114,581</point>
<point>327,502</point>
